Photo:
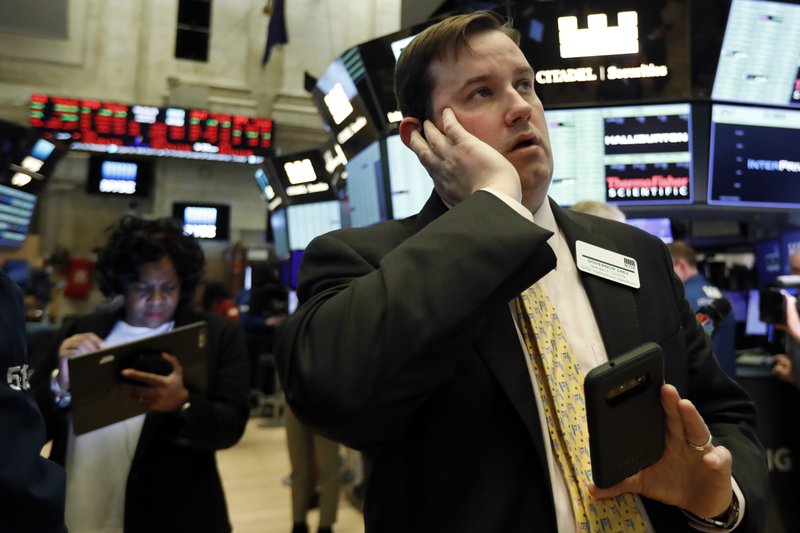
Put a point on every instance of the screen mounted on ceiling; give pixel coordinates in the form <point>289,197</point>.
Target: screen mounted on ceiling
<point>112,127</point>
<point>607,52</point>
<point>760,58</point>
<point>294,226</point>
<point>119,177</point>
<point>366,196</point>
<point>344,111</point>
<point>204,221</point>
<point>16,212</point>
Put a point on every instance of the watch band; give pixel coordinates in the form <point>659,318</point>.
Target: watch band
<point>726,520</point>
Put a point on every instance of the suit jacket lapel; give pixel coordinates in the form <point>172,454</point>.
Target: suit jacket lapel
<point>613,304</point>
<point>501,351</point>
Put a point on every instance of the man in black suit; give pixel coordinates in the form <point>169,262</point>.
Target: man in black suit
<point>406,345</point>
<point>31,487</point>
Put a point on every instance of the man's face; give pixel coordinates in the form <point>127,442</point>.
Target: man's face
<point>676,267</point>
<point>489,87</point>
<point>794,263</point>
<point>151,301</point>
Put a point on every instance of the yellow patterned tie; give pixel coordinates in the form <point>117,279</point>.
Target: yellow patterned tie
<point>560,384</point>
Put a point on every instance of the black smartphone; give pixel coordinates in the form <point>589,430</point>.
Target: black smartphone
<point>772,306</point>
<point>624,414</point>
<point>146,361</point>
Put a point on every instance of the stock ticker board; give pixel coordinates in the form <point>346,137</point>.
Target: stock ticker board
<point>117,128</point>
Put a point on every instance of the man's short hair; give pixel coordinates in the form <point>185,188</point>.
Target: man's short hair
<point>413,82</point>
<point>681,250</point>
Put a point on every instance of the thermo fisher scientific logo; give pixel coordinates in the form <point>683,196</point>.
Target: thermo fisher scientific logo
<point>647,158</point>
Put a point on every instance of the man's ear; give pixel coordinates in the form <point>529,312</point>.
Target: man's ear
<point>407,126</point>
<point>680,266</point>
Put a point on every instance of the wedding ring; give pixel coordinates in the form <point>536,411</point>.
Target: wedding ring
<point>700,448</point>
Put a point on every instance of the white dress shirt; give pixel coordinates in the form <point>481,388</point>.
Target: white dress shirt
<point>565,289</point>
<point>98,462</point>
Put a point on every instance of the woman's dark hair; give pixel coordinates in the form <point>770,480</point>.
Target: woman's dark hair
<point>134,241</point>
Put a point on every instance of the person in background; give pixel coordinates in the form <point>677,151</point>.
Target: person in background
<point>439,344</point>
<point>785,365</point>
<point>701,293</point>
<point>794,263</point>
<point>217,299</point>
<point>599,209</point>
<point>31,487</point>
<point>315,461</point>
<point>155,472</point>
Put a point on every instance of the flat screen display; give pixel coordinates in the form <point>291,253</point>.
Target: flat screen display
<point>120,177</point>
<point>612,52</point>
<point>753,323</point>
<point>264,187</point>
<point>759,60</point>
<point>344,111</point>
<point>279,231</point>
<point>290,269</point>
<point>409,183</point>
<point>738,300</point>
<point>31,159</point>
<point>42,148</point>
<point>630,155</point>
<point>204,221</point>
<point>366,187</point>
<point>16,212</point>
<point>300,177</point>
<point>658,227</point>
<point>373,73</point>
<point>754,158</point>
<point>113,127</point>
<point>306,221</point>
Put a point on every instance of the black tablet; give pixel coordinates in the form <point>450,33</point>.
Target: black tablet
<point>624,414</point>
<point>98,396</point>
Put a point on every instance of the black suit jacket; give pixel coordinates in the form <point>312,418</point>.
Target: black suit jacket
<point>173,484</point>
<point>404,347</point>
<point>31,487</point>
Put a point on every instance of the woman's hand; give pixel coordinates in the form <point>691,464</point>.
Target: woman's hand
<point>164,394</point>
<point>73,346</point>
<point>783,367</point>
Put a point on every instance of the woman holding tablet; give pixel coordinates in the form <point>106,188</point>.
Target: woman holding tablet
<point>157,471</point>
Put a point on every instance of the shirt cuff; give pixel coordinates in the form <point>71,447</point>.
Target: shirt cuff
<point>513,203</point>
